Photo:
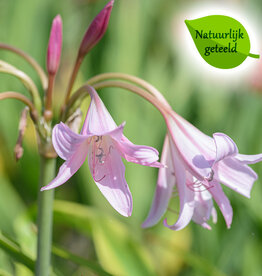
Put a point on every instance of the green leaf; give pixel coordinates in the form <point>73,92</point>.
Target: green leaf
<point>221,40</point>
<point>62,253</point>
<point>11,205</point>
<point>117,247</point>
<point>13,249</point>
<point>119,251</point>
<point>4,273</point>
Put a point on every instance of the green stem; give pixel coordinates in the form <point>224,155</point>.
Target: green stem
<point>253,55</point>
<point>45,217</point>
<point>30,60</point>
<point>26,80</point>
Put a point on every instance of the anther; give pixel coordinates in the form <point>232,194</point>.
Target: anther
<point>210,176</point>
<point>100,155</point>
<point>98,138</point>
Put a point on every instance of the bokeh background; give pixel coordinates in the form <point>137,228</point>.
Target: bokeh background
<point>143,39</point>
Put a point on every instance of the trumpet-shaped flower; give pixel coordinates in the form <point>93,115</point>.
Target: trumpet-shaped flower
<point>197,164</point>
<point>104,144</point>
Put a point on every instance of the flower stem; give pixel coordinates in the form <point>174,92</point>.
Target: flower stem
<point>23,99</point>
<point>84,91</point>
<point>77,65</point>
<point>45,217</point>
<point>162,108</point>
<point>48,104</point>
<point>126,77</point>
<point>30,60</point>
<point>26,80</point>
<point>73,77</point>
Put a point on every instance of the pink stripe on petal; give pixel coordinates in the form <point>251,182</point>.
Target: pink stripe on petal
<point>186,196</point>
<point>203,207</point>
<point>143,155</point>
<point>249,159</point>
<point>65,141</point>
<point>225,146</point>
<point>165,184</point>
<point>236,176</point>
<point>193,147</point>
<point>109,175</point>
<point>222,201</point>
<point>98,120</point>
<point>69,168</point>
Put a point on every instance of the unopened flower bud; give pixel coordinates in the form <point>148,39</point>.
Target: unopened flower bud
<point>22,126</point>
<point>54,46</point>
<point>96,30</point>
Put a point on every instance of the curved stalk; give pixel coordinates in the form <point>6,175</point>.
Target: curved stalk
<point>73,77</point>
<point>30,60</point>
<point>23,99</point>
<point>147,86</point>
<point>26,80</point>
<point>83,91</point>
<point>137,90</point>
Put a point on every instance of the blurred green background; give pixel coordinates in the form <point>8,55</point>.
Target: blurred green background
<point>142,39</point>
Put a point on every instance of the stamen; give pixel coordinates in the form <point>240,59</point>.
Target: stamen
<point>97,180</point>
<point>201,186</point>
<point>100,155</point>
<point>98,138</point>
<point>198,186</point>
<point>210,176</point>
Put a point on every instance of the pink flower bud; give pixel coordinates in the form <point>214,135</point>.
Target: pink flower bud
<point>54,46</point>
<point>96,29</point>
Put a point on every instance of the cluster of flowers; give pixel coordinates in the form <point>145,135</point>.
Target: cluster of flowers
<point>192,163</point>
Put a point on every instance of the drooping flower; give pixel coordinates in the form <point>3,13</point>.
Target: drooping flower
<point>197,164</point>
<point>104,144</point>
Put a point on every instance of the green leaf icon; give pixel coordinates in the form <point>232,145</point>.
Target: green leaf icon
<point>221,40</point>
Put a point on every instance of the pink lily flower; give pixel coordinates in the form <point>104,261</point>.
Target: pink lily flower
<point>197,164</point>
<point>104,144</point>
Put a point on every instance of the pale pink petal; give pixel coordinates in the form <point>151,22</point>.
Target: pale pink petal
<point>142,155</point>
<point>165,184</point>
<point>186,196</point>
<point>203,142</point>
<point>225,146</point>
<point>222,201</point>
<point>98,120</point>
<point>214,215</point>
<point>65,141</point>
<point>70,167</point>
<point>249,159</point>
<point>109,175</point>
<point>195,148</point>
<point>203,207</point>
<point>236,176</point>
<point>206,226</point>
